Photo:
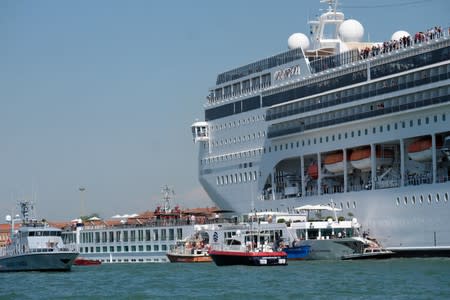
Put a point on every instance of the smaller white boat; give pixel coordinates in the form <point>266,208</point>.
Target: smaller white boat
<point>35,247</point>
<point>370,253</point>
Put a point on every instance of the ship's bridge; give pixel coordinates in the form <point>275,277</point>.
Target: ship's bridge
<point>200,131</point>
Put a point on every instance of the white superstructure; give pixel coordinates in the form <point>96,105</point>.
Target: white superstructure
<point>364,124</point>
<point>35,246</point>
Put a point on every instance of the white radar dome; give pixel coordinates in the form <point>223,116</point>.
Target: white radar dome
<point>399,34</point>
<point>351,31</point>
<point>298,40</point>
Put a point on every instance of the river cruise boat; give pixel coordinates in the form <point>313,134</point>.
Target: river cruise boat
<point>364,123</point>
<point>135,238</point>
<point>35,246</point>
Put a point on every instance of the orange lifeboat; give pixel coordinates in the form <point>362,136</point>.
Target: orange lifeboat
<point>313,171</point>
<point>421,149</point>
<point>334,162</point>
<point>361,158</point>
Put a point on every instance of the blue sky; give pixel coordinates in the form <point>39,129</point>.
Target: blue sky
<point>101,94</point>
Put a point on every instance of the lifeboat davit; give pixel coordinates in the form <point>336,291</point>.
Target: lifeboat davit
<point>334,162</point>
<point>361,158</point>
<point>313,171</point>
<point>421,149</point>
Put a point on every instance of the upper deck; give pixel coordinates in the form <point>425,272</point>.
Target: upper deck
<point>289,82</point>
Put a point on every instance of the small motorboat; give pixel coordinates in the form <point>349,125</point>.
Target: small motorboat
<point>81,261</point>
<point>370,253</point>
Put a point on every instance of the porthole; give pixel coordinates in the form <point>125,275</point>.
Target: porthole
<point>413,199</point>
<point>348,204</point>
<point>421,199</point>
<point>342,205</point>
<point>438,198</point>
<point>429,198</point>
<point>354,204</point>
<point>398,201</point>
<point>446,197</point>
<point>405,200</point>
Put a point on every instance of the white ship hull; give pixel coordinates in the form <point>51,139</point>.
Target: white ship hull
<point>60,261</point>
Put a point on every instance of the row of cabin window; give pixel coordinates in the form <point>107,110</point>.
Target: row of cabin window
<point>237,123</point>
<point>260,134</point>
<point>236,178</point>
<point>125,236</point>
<point>225,157</point>
<point>421,199</point>
<point>133,248</point>
<point>359,132</point>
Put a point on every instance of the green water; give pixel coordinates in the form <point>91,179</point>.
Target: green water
<point>385,279</point>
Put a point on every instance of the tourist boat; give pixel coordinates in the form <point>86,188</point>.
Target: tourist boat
<point>331,91</point>
<point>81,261</point>
<point>247,247</point>
<point>133,238</point>
<point>191,250</point>
<point>316,232</point>
<point>35,246</point>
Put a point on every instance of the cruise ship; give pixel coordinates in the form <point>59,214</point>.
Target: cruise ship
<point>362,125</point>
